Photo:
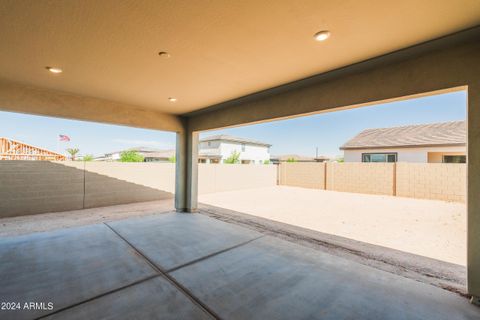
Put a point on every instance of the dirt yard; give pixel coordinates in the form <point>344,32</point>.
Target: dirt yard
<point>435,229</point>
<point>50,221</point>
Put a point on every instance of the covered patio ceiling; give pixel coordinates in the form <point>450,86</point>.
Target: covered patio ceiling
<point>218,50</point>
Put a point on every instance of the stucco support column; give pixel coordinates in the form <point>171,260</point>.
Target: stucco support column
<point>473,194</point>
<point>186,171</point>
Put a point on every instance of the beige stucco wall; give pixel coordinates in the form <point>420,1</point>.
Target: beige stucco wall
<point>437,157</point>
<point>439,181</point>
<point>17,97</point>
<point>419,155</point>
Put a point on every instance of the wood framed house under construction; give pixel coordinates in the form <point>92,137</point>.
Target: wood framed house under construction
<point>16,150</point>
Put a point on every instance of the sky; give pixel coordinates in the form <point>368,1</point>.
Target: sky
<point>90,137</point>
<point>327,131</point>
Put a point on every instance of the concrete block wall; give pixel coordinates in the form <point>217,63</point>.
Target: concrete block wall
<point>159,176</point>
<point>438,181</point>
<point>112,183</point>
<point>30,187</point>
<point>302,174</point>
<point>371,178</point>
<point>106,191</point>
<point>227,177</point>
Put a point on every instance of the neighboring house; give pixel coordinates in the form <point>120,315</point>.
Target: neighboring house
<point>296,158</point>
<point>150,154</point>
<point>216,149</point>
<point>434,143</point>
<point>160,156</point>
<point>16,150</point>
<point>115,155</point>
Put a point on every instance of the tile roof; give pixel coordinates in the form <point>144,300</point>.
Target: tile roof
<point>137,149</point>
<point>444,133</point>
<point>225,137</point>
<point>160,154</point>
<point>296,157</point>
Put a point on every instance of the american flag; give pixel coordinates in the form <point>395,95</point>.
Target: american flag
<point>63,137</point>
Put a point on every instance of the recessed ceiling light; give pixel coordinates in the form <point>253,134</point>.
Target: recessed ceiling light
<point>322,35</point>
<point>54,69</point>
<point>171,99</point>
<point>164,54</point>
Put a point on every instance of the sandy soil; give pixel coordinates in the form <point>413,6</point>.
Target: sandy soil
<point>67,219</point>
<point>435,229</point>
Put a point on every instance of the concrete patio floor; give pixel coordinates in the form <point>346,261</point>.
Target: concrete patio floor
<point>190,266</point>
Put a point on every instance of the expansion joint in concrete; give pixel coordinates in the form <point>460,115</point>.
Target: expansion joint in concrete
<point>169,278</point>
<point>214,254</point>
<point>99,296</point>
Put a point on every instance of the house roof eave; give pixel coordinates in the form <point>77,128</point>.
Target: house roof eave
<point>404,146</point>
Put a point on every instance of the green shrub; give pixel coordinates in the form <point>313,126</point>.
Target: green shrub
<point>73,152</point>
<point>131,156</point>
<point>233,159</point>
<point>87,157</point>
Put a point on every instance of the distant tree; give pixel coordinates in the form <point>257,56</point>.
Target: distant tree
<point>341,159</point>
<point>233,159</point>
<point>266,161</point>
<point>87,157</point>
<point>172,159</point>
<point>131,156</point>
<point>73,152</point>
<point>291,160</point>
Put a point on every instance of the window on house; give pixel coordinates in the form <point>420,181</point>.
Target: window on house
<point>243,147</point>
<point>455,159</point>
<point>209,143</point>
<point>379,157</point>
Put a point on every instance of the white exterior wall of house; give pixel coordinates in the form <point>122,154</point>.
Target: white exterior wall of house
<point>419,155</point>
<point>114,156</point>
<point>209,148</point>
<point>255,153</point>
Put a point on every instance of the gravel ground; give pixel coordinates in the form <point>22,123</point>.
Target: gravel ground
<point>434,229</point>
